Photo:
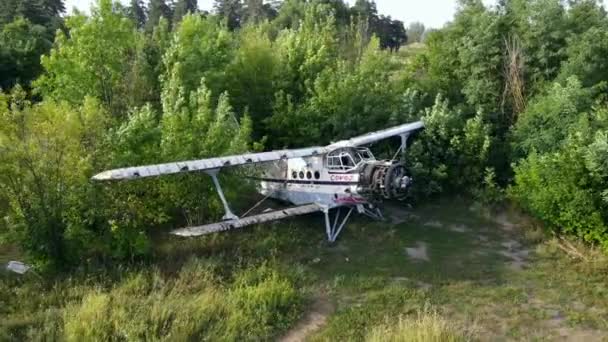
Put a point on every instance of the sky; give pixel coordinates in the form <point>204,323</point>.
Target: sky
<point>432,13</point>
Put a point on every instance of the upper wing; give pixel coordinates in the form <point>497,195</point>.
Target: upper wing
<point>380,135</point>
<point>205,164</point>
<point>249,158</point>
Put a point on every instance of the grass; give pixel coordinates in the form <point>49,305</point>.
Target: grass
<point>255,284</point>
<point>193,304</point>
<point>427,326</point>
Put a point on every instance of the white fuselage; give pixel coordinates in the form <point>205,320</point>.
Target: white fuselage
<point>307,180</point>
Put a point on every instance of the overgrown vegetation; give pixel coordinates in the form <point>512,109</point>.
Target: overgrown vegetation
<point>513,98</point>
<point>197,303</point>
<point>470,288</point>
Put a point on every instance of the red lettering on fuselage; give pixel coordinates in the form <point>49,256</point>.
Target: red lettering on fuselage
<point>341,178</point>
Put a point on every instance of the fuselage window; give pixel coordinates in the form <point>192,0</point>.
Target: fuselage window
<point>308,175</point>
<point>317,175</point>
<point>301,174</point>
<point>294,174</point>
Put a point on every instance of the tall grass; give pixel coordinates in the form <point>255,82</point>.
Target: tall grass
<point>196,303</point>
<point>428,326</point>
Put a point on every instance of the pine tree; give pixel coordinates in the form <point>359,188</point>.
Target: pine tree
<point>137,12</point>
<point>54,7</point>
<point>33,10</point>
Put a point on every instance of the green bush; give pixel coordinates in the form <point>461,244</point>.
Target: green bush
<point>567,188</point>
<point>451,152</point>
<point>549,118</point>
<point>48,152</point>
<point>554,188</point>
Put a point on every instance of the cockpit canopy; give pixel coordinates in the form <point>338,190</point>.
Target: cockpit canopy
<point>347,158</point>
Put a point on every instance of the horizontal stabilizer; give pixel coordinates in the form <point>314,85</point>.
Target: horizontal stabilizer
<point>249,220</point>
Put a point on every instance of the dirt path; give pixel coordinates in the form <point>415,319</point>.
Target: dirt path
<point>314,319</point>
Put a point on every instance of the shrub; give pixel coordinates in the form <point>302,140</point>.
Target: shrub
<point>489,193</point>
<point>451,152</point>
<point>48,152</point>
<point>553,188</point>
<point>545,124</point>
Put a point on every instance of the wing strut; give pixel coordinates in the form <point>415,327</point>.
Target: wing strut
<point>229,215</point>
<point>402,147</point>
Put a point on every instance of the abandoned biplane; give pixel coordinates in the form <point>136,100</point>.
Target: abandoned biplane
<point>316,179</point>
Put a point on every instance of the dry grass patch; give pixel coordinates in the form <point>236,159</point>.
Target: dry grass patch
<point>427,326</point>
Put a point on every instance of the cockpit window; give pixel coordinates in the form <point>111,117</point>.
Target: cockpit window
<point>364,153</point>
<point>345,159</point>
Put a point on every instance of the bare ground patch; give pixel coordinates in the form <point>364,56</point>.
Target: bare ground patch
<point>419,252</point>
<point>313,320</point>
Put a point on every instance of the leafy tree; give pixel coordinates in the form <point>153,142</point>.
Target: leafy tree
<point>306,51</point>
<point>451,153</point>
<point>583,15</point>
<point>192,127</point>
<point>142,80</point>
<point>21,44</point>
<point>366,9</point>
<point>391,33</point>
<point>91,60</point>
<point>289,15</point>
<point>543,28</point>
<point>251,77</point>
<point>546,123</point>
<point>203,49</point>
<point>340,10</point>
<point>27,28</point>
<point>55,7</point>
<point>49,151</point>
<point>343,102</point>
<point>479,47</point>
<point>586,57</point>
<point>465,59</point>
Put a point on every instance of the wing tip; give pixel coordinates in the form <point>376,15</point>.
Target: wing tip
<point>102,176</point>
<point>185,232</point>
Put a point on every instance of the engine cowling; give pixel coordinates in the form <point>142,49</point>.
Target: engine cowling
<point>384,180</point>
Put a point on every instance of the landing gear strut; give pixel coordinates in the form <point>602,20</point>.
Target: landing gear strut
<point>333,230</point>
